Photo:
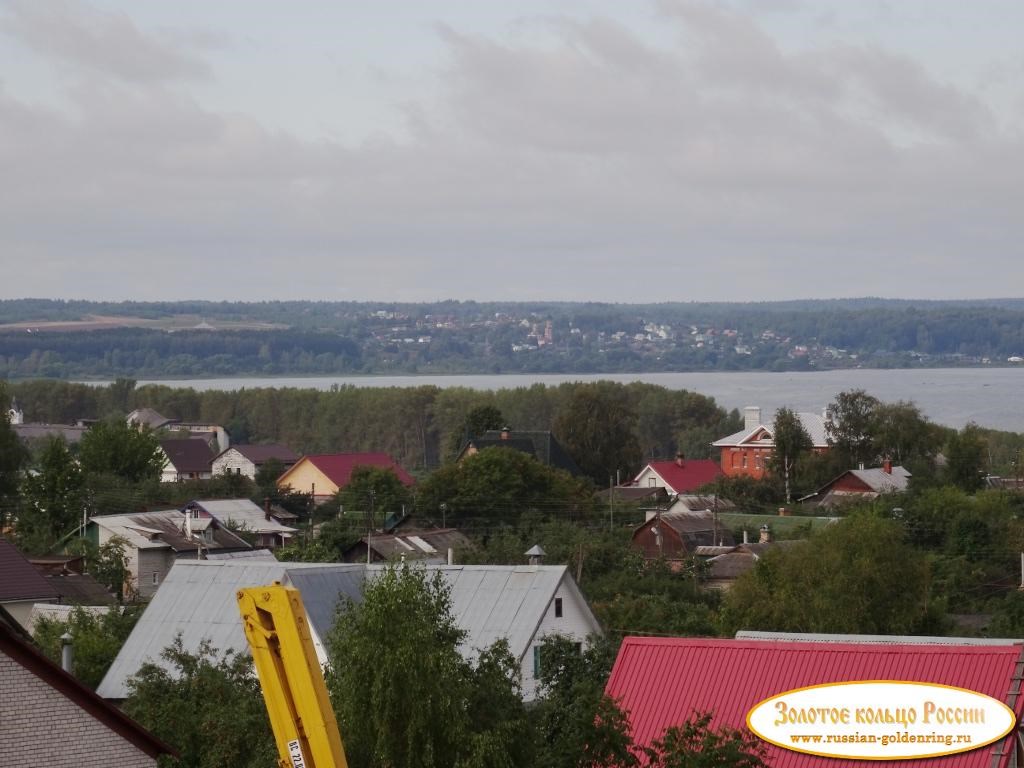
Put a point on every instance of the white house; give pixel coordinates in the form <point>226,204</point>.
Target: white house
<point>247,459</point>
<point>521,603</point>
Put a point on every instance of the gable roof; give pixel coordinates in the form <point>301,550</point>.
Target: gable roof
<point>197,599</point>
<point>695,528</point>
<point>762,435</point>
<point>242,513</point>
<point>880,481</point>
<point>662,681</point>
<point>684,477</point>
<point>337,467</point>
<point>165,529</point>
<point>261,454</point>
<point>147,417</point>
<point>190,454</point>
<point>542,445</point>
<point>423,545</point>
<point>19,579</point>
<point>63,684</point>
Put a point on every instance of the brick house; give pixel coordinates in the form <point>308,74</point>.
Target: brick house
<point>747,453</point>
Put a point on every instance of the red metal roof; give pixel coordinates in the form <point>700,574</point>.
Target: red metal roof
<point>19,580</point>
<point>338,466</point>
<point>688,477</point>
<point>661,681</point>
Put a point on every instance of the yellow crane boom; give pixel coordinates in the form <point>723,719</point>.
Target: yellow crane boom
<point>305,729</point>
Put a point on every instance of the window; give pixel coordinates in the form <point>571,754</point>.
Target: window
<point>156,578</point>
<point>536,661</point>
<point>652,482</point>
<point>744,461</point>
<point>558,607</point>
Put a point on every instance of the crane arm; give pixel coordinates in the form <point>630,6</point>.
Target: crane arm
<point>305,729</point>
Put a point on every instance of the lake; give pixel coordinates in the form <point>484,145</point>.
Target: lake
<point>991,397</point>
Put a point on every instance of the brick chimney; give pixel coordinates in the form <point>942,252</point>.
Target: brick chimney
<point>680,459</point>
<point>751,417</point>
<point>505,431</point>
<point>766,535</point>
<point>266,507</point>
<point>887,466</point>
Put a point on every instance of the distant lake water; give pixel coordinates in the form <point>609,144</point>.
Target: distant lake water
<point>991,397</point>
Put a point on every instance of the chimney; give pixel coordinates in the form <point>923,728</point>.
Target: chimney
<point>887,466</point>
<point>536,555</point>
<point>680,459</point>
<point>745,537</point>
<point>860,466</point>
<point>505,432</point>
<point>451,556</point>
<point>766,535</point>
<point>67,653</point>
<point>751,417</point>
<point>266,507</point>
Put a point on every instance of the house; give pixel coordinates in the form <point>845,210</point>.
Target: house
<point>661,682</point>
<point>247,459</point>
<point>674,536</point>
<point>156,539</point>
<point>244,516</point>
<point>323,475</point>
<point>186,459</point>
<point>747,453</point>
<point>520,603</point>
<point>695,502</point>
<point>49,718</point>
<point>21,585</point>
<point>861,484</point>
<point>541,445</point>
<point>66,573</point>
<point>214,434</point>
<point>723,569</point>
<point>428,546</point>
<point>678,475</point>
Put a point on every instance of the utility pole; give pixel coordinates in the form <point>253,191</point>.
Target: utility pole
<point>611,503</point>
<point>369,526</point>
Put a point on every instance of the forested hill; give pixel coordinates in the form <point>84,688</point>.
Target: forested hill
<point>65,339</point>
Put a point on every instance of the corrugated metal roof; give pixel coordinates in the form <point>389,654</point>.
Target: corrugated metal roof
<point>813,423</point>
<point>821,637</point>
<point>197,599</point>
<point>242,513</point>
<point>662,681</point>
<point>690,475</point>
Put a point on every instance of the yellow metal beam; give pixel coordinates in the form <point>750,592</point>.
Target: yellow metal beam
<point>305,729</point>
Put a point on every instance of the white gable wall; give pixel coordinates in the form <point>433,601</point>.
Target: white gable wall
<point>576,622</point>
<point>648,478</point>
<point>231,462</point>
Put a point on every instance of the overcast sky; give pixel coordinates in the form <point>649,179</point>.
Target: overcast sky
<point>673,150</point>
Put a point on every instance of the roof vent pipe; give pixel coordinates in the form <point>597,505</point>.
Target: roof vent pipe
<point>67,653</point>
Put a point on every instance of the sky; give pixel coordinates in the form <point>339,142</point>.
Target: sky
<point>583,150</point>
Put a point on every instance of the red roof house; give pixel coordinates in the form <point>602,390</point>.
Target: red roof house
<point>660,682</point>
<point>324,474</point>
<point>679,475</point>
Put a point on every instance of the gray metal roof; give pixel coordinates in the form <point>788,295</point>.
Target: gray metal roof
<point>242,513</point>
<point>813,424</point>
<point>197,599</point>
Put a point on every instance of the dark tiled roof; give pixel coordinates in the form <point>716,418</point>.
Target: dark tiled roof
<point>188,454</point>
<point>19,580</point>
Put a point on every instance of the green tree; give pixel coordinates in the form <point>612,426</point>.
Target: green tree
<point>97,638</point>
<point>856,576</point>
<point>377,489</point>
<point>118,449</point>
<point>695,744</point>
<point>574,723</point>
<point>206,705</point>
<point>12,457</point>
<point>792,444</point>
<point>53,499</point>
<point>483,418</point>
<point>965,459</point>
<point>851,427</point>
<point>597,426</point>
<point>403,693</point>
<point>500,484</point>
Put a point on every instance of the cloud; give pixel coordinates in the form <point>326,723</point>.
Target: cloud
<point>593,165</point>
<point>107,43</point>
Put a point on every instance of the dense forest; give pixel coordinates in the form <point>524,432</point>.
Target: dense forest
<point>53,339</point>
